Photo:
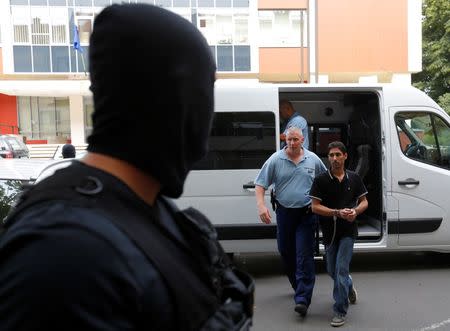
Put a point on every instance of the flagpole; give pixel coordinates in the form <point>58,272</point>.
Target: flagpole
<point>82,61</point>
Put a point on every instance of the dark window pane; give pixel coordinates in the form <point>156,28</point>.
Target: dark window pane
<point>22,58</point>
<point>241,140</point>
<point>213,51</point>
<point>60,59</point>
<point>223,3</point>
<point>41,59</point>
<point>242,58</point>
<point>240,3</point>
<point>38,2</point>
<point>19,2</point>
<point>206,3</point>
<point>87,3</point>
<point>225,58</point>
<point>73,60</point>
<point>83,61</point>
<point>57,2</point>
<point>164,3</point>
<point>194,16</point>
<point>102,3</point>
<point>181,3</point>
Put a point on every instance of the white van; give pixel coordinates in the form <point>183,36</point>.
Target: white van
<point>398,140</point>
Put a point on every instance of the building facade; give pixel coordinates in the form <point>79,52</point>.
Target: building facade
<point>44,83</point>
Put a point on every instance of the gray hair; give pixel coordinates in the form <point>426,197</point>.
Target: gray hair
<point>293,129</point>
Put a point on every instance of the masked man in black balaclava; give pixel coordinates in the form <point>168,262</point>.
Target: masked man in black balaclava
<point>96,246</point>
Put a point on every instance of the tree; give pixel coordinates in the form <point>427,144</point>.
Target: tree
<point>434,79</point>
<point>8,192</point>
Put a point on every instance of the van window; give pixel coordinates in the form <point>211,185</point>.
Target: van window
<point>424,137</point>
<point>240,140</point>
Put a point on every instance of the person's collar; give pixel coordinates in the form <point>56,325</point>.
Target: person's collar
<point>333,176</point>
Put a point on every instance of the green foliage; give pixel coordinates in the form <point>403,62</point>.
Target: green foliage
<point>434,79</point>
<point>8,192</point>
<point>444,102</point>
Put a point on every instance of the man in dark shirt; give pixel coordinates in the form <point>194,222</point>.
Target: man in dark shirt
<point>66,264</point>
<point>338,196</point>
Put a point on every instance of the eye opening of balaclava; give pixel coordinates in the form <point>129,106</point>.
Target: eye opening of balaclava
<point>152,76</point>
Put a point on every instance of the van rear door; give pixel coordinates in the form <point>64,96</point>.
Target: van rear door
<point>243,136</point>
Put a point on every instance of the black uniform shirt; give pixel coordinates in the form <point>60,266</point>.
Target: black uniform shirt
<point>338,195</point>
<point>70,268</point>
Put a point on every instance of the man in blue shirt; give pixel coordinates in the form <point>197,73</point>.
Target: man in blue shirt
<point>291,171</point>
<point>290,119</point>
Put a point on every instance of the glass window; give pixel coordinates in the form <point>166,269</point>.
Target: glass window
<point>18,2</point>
<point>40,25</point>
<point>83,60</point>
<point>205,3</point>
<point>41,59</point>
<point>21,22</point>
<point>207,26</point>
<point>38,2</point>
<point>84,29</point>
<point>60,59</point>
<point>225,58</point>
<point>83,3</point>
<point>241,30</point>
<point>223,3</point>
<point>181,3</point>
<point>24,115</point>
<point>59,21</point>
<point>240,3</point>
<point>242,58</point>
<point>102,3</point>
<point>424,137</point>
<point>224,29</point>
<point>164,3</point>
<point>240,140</point>
<point>282,27</point>
<point>44,118</point>
<point>22,59</point>
<point>88,105</point>
<point>57,2</point>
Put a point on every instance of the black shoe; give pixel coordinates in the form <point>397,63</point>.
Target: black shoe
<point>301,309</point>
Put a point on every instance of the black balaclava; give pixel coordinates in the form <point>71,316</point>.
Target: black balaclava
<point>152,76</point>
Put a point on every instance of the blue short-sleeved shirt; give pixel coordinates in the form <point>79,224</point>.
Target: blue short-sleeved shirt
<point>299,122</point>
<point>291,181</point>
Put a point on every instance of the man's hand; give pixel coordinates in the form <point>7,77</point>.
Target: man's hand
<point>264,214</point>
<point>348,214</point>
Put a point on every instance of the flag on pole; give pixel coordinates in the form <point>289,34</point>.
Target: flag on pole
<point>76,39</point>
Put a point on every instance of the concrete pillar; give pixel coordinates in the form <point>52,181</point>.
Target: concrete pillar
<point>77,120</point>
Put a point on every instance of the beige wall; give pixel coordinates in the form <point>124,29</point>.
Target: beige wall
<point>282,4</point>
<point>362,36</point>
<point>282,64</point>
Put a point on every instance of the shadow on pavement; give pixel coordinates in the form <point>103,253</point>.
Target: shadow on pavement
<point>264,265</point>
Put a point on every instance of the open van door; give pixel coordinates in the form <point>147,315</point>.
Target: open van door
<point>420,147</point>
<point>243,136</point>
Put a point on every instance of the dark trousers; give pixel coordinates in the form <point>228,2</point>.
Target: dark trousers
<point>295,236</point>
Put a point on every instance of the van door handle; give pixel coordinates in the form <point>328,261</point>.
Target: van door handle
<point>408,181</point>
<point>249,185</point>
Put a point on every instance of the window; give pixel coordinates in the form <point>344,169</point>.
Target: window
<point>21,22</point>
<point>240,140</point>
<point>40,26</point>
<point>424,137</point>
<point>283,28</point>
<point>88,106</point>
<point>44,118</point>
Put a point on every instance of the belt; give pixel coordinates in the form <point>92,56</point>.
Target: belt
<point>302,210</point>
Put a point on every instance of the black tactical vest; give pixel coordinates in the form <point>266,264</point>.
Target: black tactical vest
<point>213,295</point>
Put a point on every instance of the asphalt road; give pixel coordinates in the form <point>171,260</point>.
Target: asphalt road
<point>396,291</point>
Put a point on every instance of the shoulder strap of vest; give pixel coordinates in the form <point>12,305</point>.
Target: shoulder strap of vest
<point>189,280</point>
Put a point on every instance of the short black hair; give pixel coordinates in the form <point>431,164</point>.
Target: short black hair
<point>337,144</point>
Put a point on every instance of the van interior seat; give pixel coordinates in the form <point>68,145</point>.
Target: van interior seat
<point>363,160</point>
